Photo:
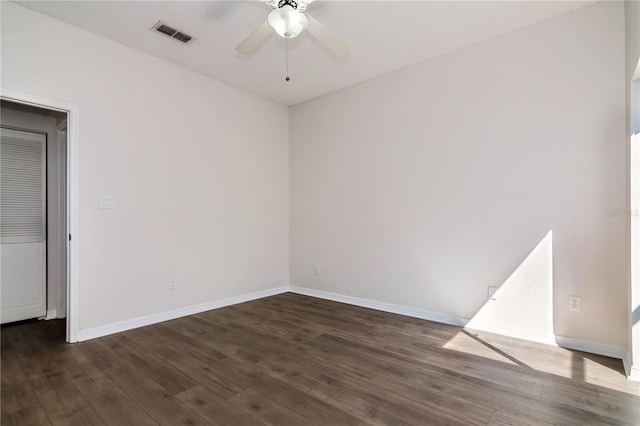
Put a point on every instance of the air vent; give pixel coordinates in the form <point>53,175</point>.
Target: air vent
<point>172,32</point>
<point>182,37</point>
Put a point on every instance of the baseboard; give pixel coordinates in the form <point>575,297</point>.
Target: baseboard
<point>51,314</point>
<point>513,331</point>
<point>626,363</point>
<point>632,371</point>
<point>125,325</point>
<point>592,347</point>
<point>634,374</point>
<point>382,306</point>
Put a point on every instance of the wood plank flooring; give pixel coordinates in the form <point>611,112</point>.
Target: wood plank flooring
<point>296,360</point>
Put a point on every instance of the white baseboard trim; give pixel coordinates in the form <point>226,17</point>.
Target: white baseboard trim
<point>634,374</point>
<point>513,331</point>
<point>632,371</point>
<point>51,314</point>
<point>382,306</point>
<point>129,324</point>
<point>626,362</point>
<point>592,347</point>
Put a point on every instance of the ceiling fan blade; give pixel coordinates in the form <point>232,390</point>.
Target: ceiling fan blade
<point>252,43</point>
<point>327,37</point>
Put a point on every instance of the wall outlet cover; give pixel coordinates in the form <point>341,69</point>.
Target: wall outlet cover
<point>575,303</point>
<point>491,292</point>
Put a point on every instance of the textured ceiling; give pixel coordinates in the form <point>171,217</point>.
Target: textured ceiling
<point>384,36</point>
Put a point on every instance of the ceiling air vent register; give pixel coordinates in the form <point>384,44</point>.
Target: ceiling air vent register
<point>172,32</point>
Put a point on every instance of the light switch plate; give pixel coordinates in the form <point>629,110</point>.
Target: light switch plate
<point>105,202</point>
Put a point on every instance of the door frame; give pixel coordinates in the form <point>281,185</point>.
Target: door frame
<point>72,174</point>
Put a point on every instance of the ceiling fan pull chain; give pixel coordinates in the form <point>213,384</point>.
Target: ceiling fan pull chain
<point>286,58</point>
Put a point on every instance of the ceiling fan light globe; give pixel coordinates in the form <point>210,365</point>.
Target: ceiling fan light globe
<point>287,21</point>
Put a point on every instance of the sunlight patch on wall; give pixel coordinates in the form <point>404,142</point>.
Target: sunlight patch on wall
<point>522,307</point>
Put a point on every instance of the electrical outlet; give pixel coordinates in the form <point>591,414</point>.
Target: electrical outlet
<point>491,292</point>
<point>575,303</point>
<point>172,284</point>
<point>317,270</point>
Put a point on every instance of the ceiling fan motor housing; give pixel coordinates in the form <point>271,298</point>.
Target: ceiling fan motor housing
<point>287,20</point>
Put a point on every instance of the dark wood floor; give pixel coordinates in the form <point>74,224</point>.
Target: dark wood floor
<point>295,360</point>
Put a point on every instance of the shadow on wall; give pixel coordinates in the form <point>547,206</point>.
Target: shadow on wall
<point>522,306</point>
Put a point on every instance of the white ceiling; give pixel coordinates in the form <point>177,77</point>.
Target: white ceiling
<point>384,36</point>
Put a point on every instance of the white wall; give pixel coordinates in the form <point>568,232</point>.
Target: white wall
<point>198,169</point>
<point>424,186</point>
<point>27,118</point>
<point>632,39</point>
<point>632,28</point>
<point>418,188</point>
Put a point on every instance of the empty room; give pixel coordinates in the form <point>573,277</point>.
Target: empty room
<point>298,212</point>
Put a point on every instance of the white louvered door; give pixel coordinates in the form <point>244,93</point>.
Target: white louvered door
<point>22,225</point>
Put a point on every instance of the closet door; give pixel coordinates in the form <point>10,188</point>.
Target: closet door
<point>23,234</point>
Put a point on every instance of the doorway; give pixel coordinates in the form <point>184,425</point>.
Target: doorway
<point>39,209</point>
<point>33,219</point>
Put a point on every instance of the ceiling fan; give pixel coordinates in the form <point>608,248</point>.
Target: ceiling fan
<point>288,21</point>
